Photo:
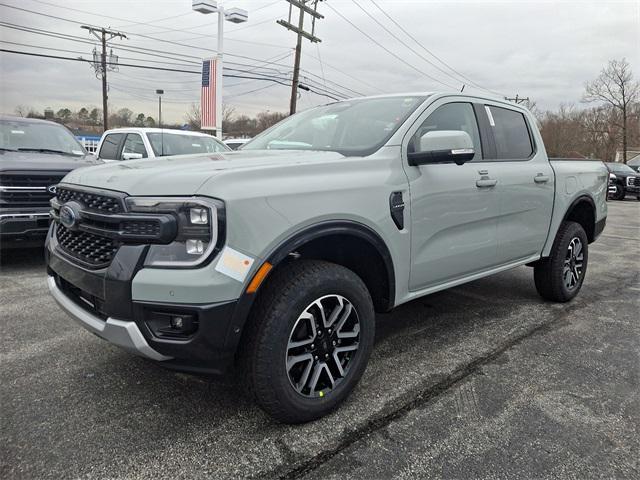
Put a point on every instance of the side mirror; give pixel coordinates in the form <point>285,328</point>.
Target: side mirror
<point>443,146</point>
<point>131,155</point>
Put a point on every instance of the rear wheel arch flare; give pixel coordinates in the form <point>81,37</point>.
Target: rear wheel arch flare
<point>583,211</point>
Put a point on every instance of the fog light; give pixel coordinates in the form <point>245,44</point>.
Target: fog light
<point>177,322</point>
<point>199,216</point>
<point>195,247</point>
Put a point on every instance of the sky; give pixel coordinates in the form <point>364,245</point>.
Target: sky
<point>544,50</point>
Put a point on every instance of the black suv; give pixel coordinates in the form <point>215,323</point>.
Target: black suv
<point>623,180</point>
<point>34,156</point>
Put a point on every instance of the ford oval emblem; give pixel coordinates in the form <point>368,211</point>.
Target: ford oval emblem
<point>52,189</point>
<point>68,216</point>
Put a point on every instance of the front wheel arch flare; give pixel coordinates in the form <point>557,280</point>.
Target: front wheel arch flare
<point>297,241</point>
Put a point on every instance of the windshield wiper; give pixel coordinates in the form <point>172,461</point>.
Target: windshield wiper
<point>46,150</point>
<point>7,149</point>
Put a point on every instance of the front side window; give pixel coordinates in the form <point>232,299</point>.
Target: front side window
<point>110,144</point>
<point>18,135</point>
<point>511,133</point>
<point>165,144</point>
<point>133,147</point>
<point>452,116</point>
<point>352,127</point>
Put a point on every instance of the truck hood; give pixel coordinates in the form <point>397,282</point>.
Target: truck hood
<point>184,174</point>
<point>34,161</point>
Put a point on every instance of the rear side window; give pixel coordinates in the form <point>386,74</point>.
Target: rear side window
<point>511,133</point>
<point>109,148</point>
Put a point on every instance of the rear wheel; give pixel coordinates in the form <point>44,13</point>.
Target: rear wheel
<point>559,277</point>
<point>309,340</point>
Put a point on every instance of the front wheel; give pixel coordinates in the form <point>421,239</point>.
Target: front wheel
<point>559,277</point>
<point>309,340</point>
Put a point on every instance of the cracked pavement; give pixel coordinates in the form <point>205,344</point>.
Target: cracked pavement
<point>485,380</point>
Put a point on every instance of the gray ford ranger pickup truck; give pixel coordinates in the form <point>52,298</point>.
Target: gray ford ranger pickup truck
<point>274,259</point>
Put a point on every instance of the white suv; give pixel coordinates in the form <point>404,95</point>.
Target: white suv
<point>133,143</point>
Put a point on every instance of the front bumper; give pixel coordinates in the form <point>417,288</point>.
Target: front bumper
<point>21,226</point>
<point>101,301</point>
<point>125,334</point>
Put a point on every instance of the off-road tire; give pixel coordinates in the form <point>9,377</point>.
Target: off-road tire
<point>285,295</point>
<point>548,272</point>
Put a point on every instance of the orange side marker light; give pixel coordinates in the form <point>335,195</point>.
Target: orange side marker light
<point>259,277</point>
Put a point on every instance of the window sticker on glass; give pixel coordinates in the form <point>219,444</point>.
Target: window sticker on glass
<point>17,132</point>
<point>491,120</point>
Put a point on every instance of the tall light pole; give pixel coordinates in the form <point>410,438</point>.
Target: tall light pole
<point>159,93</point>
<point>234,15</point>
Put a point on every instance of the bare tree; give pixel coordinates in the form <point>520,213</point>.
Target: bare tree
<point>193,117</point>
<point>615,86</point>
<point>23,110</point>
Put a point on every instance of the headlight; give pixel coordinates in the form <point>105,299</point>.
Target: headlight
<point>612,176</point>
<point>199,229</point>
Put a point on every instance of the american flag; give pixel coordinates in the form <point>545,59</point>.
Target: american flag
<point>208,94</point>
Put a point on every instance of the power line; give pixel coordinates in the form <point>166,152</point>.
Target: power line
<point>316,90</point>
<point>401,41</point>
<point>429,51</point>
<point>143,50</point>
<point>387,50</point>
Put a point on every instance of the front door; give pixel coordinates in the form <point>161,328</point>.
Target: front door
<point>454,208</point>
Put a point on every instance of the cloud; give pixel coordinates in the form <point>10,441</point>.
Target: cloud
<point>544,50</point>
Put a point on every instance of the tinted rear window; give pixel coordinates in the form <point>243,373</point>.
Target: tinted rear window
<point>510,130</point>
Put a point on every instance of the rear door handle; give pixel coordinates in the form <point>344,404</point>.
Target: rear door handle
<point>486,183</point>
<point>540,178</point>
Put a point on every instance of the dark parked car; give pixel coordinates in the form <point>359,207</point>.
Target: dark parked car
<point>34,156</point>
<point>623,181</point>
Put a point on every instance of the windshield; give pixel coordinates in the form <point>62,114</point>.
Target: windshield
<point>165,144</point>
<point>620,168</point>
<point>352,127</point>
<point>38,137</point>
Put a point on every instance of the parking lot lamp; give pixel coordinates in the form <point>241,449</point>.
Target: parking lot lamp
<point>234,15</point>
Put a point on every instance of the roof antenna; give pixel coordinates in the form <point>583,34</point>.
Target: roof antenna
<point>462,89</point>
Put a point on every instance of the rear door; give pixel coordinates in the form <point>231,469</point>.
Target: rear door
<point>454,208</point>
<point>526,183</point>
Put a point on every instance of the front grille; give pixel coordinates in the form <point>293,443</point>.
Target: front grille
<point>633,181</point>
<point>27,189</point>
<point>92,250</point>
<point>93,201</point>
<point>30,179</point>
<point>141,227</point>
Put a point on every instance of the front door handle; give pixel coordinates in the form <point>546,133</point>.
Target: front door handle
<point>540,178</point>
<point>486,183</point>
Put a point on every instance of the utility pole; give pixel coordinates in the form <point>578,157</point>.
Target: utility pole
<point>304,7</point>
<point>101,34</point>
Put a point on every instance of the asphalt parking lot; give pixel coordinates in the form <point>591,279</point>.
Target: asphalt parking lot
<point>484,380</point>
